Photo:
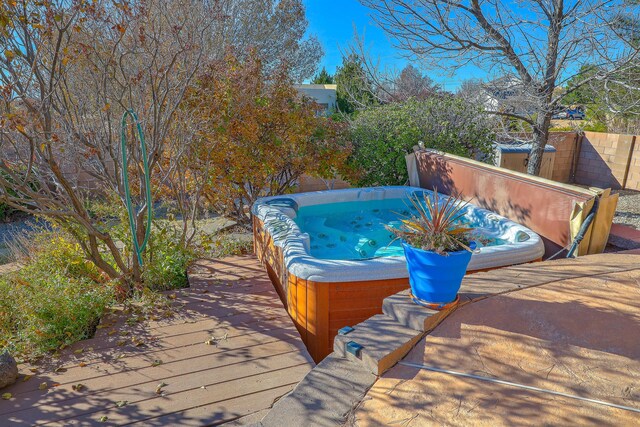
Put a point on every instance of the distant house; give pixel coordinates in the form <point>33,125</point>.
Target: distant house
<point>504,93</point>
<point>324,95</point>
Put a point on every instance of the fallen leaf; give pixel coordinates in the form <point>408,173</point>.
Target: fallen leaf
<point>159,387</point>
<point>43,386</point>
<point>122,403</point>
<point>78,387</point>
<point>103,418</point>
<point>78,351</point>
<point>27,378</point>
<point>82,364</point>
<point>215,340</point>
<point>34,370</point>
<point>7,396</point>
<point>60,369</point>
<point>156,362</point>
<point>121,343</point>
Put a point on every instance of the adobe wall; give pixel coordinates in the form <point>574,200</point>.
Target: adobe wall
<point>605,160</point>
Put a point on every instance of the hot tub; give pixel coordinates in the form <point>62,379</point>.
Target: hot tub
<point>333,261</point>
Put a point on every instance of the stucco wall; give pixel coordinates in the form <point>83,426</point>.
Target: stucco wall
<point>633,177</point>
<point>566,144</point>
<point>606,160</point>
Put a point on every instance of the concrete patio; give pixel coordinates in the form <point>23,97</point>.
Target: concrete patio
<point>577,334</point>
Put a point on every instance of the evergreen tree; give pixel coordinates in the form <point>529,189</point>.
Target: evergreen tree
<point>355,90</point>
<point>322,78</point>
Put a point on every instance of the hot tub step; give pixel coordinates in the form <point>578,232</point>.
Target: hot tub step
<point>404,311</point>
<point>378,343</point>
<point>324,397</point>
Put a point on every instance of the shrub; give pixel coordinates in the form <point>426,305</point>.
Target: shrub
<point>228,244</point>
<point>56,298</point>
<point>254,136</point>
<point>383,135</point>
<point>167,259</point>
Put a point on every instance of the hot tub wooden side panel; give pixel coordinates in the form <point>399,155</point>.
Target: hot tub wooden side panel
<point>300,304</point>
<point>271,257</point>
<point>319,309</point>
<point>330,306</point>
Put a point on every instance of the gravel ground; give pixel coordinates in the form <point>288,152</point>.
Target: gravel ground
<point>628,210</point>
<point>9,229</point>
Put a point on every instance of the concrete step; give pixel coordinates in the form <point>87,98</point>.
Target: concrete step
<point>324,397</point>
<point>404,311</point>
<point>377,343</point>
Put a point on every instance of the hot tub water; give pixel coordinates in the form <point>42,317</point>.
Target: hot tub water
<point>357,229</point>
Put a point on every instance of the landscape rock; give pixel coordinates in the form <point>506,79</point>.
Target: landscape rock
<point>8,369</point>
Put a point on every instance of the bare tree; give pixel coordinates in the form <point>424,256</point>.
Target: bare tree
<point>274,29</point>
<point>67,73</point>
<point>540,44</point>
<point>412,83</point>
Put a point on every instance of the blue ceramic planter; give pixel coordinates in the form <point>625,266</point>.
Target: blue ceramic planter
<point>435,279</point>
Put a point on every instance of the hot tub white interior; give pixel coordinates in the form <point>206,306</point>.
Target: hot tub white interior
<point>312,227</point>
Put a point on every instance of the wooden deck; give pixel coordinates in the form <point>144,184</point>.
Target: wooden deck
<point>253,356</point>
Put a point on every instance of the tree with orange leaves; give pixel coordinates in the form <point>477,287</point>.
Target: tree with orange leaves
<point>255,135</point>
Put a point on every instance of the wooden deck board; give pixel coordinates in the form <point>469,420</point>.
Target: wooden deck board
<point>258,357</point>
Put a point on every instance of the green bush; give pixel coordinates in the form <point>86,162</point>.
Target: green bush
<point>58,296</point>
<point>383,135</point>
<point>166,259</point>
<point>55,299</point>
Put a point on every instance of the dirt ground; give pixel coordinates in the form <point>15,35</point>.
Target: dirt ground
<point>578,124</point>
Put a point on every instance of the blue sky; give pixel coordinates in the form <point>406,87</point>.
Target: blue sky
<point>333,21</point>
